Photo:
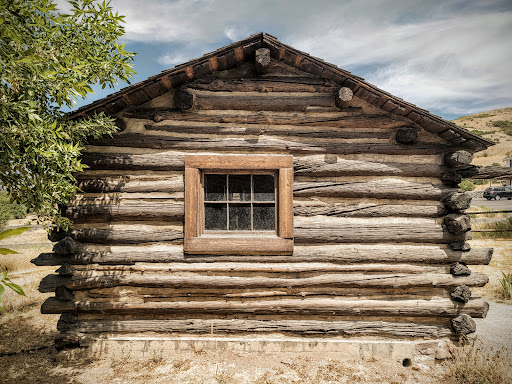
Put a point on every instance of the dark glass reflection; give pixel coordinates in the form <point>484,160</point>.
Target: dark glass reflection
<point>215,216</point>
<point>263,187</point>
<point>264,217</point>
<point>214,187</point>
<point>239,217</point>
<point>239,187</point>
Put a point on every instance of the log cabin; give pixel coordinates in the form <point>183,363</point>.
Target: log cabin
<point>259,190</point>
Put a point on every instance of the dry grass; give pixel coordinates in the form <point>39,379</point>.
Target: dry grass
<point>473,364</point>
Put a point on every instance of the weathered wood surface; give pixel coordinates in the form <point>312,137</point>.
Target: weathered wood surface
<point>143,210</point>
<point>397,280</point>
<point>293,132</point>
<point>408,136</point>
<point>160,161</point>
<point>340,253</point>
<point>266,84</point>
<point>263,143</point>
<point>457,223</point>
<point>222,326</point>
<point>128,234</point>
<point>463,325</point>
<point>327,306</point>
<point>315,208</point>
<point>129,184</point>
<point>344,97</point>
<point>262,61</point>
<point>318,166</point>
<point>458,158</point>
<point>477,172</point>
<point>458,201</point>
<point>261,101</point>
<point>380,188</point>
<point>321,229</point>
<point>323,119</point>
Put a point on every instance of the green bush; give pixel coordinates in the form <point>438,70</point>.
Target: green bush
<point>506,283</point>
<point>467,185</point>
<point>10,210</point>
<point>505,125</point>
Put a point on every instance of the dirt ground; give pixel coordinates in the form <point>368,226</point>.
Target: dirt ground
<point>27,354</point>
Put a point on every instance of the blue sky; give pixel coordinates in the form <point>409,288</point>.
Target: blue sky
<point>452,57</point>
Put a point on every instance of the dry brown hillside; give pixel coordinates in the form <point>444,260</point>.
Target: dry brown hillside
<point>495,126</point>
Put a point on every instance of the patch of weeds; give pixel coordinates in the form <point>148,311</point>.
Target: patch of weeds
<point>506,283</point>
<point>483,208</point>
<point>473,364</point>
<point>501,229</point>
<point>483,115</point>
<point>481,133</point>
<point>504,125</point>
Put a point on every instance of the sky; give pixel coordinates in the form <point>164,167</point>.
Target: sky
<point>452,57</point>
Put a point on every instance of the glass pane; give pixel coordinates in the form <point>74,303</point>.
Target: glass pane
<point>239,187</point>
<point>215,216</point>
<point>263,187</point>
<point>214,187</point>
<point>239,217</point>
<point>264,217</point>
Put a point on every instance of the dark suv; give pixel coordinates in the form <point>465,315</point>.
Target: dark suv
<point>497,193</point>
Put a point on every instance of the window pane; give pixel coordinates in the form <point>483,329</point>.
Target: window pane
<point>215,216</point>
<point>264,217</point>
<point>239,217</point>
<point>239,187</point>
<point>263,187</point>
<point>215,187</point>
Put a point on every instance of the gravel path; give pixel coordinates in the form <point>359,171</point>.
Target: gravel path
<point>496,329</point>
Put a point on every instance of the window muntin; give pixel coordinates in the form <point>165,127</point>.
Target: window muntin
<point>236,202</point>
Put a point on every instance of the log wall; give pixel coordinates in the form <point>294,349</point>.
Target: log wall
<point>379,228</point>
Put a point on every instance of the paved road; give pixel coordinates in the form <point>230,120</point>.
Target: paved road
<point>495,205</point>
<point>496,329</point>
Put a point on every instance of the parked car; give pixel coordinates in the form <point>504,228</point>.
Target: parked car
<point>497,193</point>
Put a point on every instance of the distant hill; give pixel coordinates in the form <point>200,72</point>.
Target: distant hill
<point>495,126</point>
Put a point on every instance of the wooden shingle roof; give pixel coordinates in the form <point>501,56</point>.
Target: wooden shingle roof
<point>236,53</point>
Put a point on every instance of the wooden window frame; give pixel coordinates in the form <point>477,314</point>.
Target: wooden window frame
<point>197,242</point>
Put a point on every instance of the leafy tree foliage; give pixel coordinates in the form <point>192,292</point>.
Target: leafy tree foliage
<point>49,59</point>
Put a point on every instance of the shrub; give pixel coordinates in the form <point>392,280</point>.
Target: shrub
<point>506,283</point>
<point>467,185</point>
<point>10,210</point>
<point>505,125</point>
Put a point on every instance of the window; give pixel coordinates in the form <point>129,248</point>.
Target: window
<point>238,204</point>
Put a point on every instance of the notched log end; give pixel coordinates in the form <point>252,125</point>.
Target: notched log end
<point>64,293</point>
<point>461,293</point>
<point>463,325</point>
<point>65,270</point>
<point>458,159</point>
<point>65,246</point>
<point>262,60</point>
<point>460,269</point>
<point>183,99</point>
<point>457,201</point>
<point>460,245</point>
<point>457,223</point>
<point>451,178</point>
<point>344,97</point>
<point>407,136</point>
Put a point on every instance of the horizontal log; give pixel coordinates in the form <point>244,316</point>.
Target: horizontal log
<point>128,234</point>
<point>340,253</point>
<point>259,101</point>
<point>477,172</point>
<point>159,209</point>
<point>160,161</point>
<point>221,326</point>
<point>379,188</point>
<point>321,229</point>
<point>315,208</point>
<point>262,143</point>
<point>293,132</point>
<point>434,307</point>
<point>265,84</point>
<point>318,166</point>
<point>325,119</point>
<point>397,280</point>
<point>132,185</point>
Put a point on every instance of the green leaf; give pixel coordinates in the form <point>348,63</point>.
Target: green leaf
<point>15,287</point>
<point>3,276</point>
<point>13,232</point>
<point>6,251</point>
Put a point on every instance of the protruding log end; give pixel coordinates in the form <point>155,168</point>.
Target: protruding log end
<point>460,245</point>
<point>344,97</point>
<point>65,246</point>
<point>66,321</point>
<point>457,223</point>
<point>458,159</point>
<point>67,341</point>
<point>183,99</point>
<point>463,325</point>
<point>451,178</point>
<point>461,293</point>
<point>262,60</point>
<point>65,270</point>
<point>457,201</point>
<point>460,269</point>
<point>57,235</point>
<point>120,123</point>
<point>64,293</point>
<point>406,136</point>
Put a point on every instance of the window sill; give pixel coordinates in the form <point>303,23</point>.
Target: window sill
<point>228,245</point>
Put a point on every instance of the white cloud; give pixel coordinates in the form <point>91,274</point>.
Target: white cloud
<point>448,56</point>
